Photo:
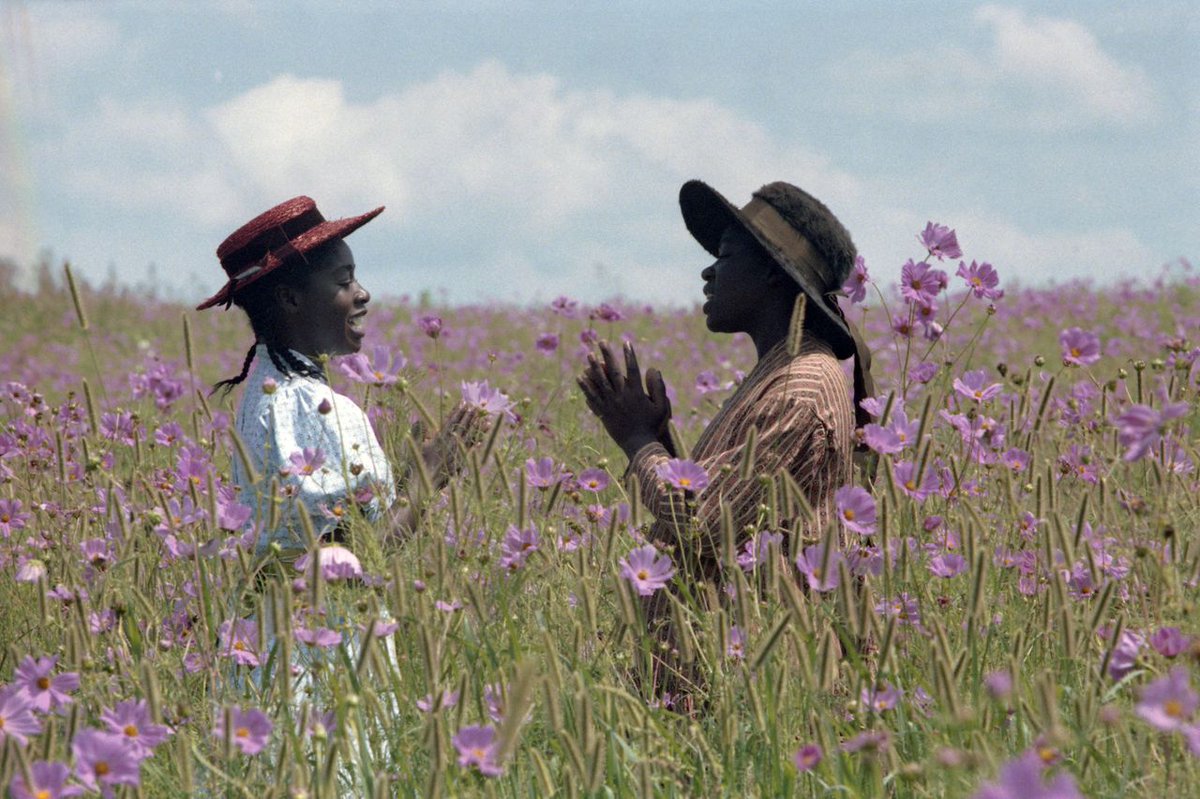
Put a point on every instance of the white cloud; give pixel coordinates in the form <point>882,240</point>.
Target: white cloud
<point>543,153</point>
<point>1034,72</point>
<point>519,186</point>
<point>1063,55</point>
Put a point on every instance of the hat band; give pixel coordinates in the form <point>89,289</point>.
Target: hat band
<point>796,248</point>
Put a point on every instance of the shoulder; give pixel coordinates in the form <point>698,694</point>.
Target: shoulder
<point>812,382</point>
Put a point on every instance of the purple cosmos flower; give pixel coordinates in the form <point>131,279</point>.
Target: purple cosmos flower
<point>981,279</point>
<point>1140,428</point>
<point>923,372</point>
<point>334,562</point>
<point>647,569</point>
<point>594,480</point>
<point>998,684</point>
<point>868,741</point>
<point>820,578</point>
<point>807,757</point>
<point>947,565</point>
<point>920,283</point>
<point>1168,641</point>
<point>735,648</point>
<point>11,518</point>
<point>542,473</point>
<point>881,698</point>
<point>477,747</point>
<point>904,473</point>
<point>974,386</point>
<point>1169,703</point>
<point>684,475</point>
<point>45,692</point>
<point>855,287</point>
<point>517,546</point>
<point>1125,654</point>
<point>29,570</point>
<point>546,343</point>
<point>382,369</point>
<point>607,313</point>
<point>1079,347</point>
<point>940,241</point>
<point>447,699</point>
<point>1023,779</point>
<point>707,382</point>
<point>239,642</point>
<point>564,306</point>
<point>1016,459</point>
<point>49,782</point>
<point>103,759</point>
<point>430,324</point>
<point>491,401</point>
<point>904,608</point>
<point>131,720</point>
<point>16,715</point>
<point>755,550</point>
<point>856,509</point>
<point>307,461</point>
<point>248,729</point>
<point>321,637</point>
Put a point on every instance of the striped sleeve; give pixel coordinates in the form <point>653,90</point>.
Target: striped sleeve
<point>803,420</point>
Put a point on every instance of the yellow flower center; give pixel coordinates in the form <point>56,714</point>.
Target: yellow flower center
<point>102,768</point>
<point>131,730</point>
<point>43,683</point>
<point>242,732</point>
<point>848,513</point>
<point>643,574</point>
<point>1173,708</point>
<point>685,482</point>
<point>42,794</point>
<point>1075,353</point>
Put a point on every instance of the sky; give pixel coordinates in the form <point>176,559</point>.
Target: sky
<point>530,149</point>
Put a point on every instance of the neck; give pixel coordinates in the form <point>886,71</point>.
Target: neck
<point>771,329</point>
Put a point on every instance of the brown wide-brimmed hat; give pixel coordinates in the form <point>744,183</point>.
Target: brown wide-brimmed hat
<point>280,237</point>
<point>795,229</point>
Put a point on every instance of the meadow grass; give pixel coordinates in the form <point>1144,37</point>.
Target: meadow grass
<point>1021,589</point>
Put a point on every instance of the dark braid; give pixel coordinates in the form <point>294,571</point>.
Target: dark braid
<point>290,365</point>
<point>227,385</point>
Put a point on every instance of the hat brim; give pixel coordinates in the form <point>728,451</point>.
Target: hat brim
<point>707,215</point>
<point>300,246</point>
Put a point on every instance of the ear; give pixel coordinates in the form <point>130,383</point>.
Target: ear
<point>287,298</point>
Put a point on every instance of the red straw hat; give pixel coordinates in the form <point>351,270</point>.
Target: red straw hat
<point>278,237</point>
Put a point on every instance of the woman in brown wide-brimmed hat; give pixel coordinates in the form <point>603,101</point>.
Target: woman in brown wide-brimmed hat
<point>783,251</point>
<point>293,274</point>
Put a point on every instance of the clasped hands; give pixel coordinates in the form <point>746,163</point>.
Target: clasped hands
<point>633,414</point>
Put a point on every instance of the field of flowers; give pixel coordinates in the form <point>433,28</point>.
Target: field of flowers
<point>1012,612</point>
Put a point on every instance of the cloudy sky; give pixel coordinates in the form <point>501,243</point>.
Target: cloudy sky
<point>525,151</point>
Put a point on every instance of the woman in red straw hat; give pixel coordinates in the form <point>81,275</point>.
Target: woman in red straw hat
<point>293,274</point>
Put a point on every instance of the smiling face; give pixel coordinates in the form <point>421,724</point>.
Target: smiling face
<point>325,313</point>
<point>740,284</point>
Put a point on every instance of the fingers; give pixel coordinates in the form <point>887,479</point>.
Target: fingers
<point>657,390</point>
<point>616,377</point>
<point>597,375</point>
<point>633,372</point>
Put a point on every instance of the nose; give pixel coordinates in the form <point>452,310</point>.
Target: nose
<point>363,296</point>
<point>708,273</point>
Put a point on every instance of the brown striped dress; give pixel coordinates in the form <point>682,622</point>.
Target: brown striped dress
<point>800,408</point>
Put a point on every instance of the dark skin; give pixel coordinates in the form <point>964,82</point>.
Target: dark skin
<point>745,291</point>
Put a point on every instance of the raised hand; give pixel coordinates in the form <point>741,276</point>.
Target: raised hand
<point>633,414</point>
<point>463,429</point>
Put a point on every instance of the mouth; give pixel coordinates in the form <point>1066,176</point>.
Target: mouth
<point>355,323</point>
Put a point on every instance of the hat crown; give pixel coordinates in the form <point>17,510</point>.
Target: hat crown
<point>812,219</point>
<point>269,231</point>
